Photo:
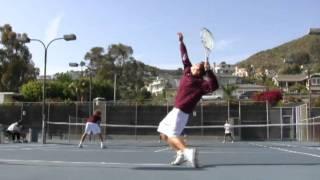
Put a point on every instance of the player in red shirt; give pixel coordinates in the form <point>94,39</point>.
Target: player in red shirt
<point>191,88</point>
<point>93,126</point>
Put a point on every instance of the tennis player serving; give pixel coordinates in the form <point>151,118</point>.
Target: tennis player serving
<point>191,88</point>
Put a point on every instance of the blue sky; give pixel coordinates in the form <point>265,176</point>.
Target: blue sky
<point>241,27</point>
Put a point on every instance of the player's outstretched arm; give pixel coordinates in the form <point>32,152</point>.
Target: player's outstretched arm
<point>184,53</point>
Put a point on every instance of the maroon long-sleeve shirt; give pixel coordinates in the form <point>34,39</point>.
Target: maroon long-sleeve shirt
<point>192,88</point>
<point>94,119</point>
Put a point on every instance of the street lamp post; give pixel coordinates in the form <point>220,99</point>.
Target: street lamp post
<point>25,39</point>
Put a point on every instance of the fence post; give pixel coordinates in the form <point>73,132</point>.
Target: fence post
<point>239,121</point>
<point>268,129</point>
<point>307,121</point>
<point>201,108</point>
<point>69,127</point>
<point>313,130</point>
<point>228,109</point>
<point>136,121</point>
<point>46,127</point>
<point>105,128</point>
<point>1,134</point>
<point>281,120</point>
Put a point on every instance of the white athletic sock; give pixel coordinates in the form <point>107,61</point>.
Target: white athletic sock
<point>102,145</point>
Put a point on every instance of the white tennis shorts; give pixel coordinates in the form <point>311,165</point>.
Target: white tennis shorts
<point>174,123</point>
<point>92,128</point>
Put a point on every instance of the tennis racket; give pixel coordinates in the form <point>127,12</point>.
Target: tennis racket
<point>207,41</point>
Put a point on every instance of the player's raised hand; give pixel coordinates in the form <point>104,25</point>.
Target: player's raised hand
<point>180,35</point>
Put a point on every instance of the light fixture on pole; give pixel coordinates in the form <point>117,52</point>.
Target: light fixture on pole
<point>26,39</point>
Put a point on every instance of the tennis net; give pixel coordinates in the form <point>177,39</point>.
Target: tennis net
<point>303,130</point>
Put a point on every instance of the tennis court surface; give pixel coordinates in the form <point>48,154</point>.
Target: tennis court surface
<point>149,159</point>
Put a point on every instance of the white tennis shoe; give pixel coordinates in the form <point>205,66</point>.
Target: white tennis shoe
<point>191,154</point>
<point>179,159</point>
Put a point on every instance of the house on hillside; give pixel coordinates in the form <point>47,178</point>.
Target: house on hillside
<point>223,79</point>
<point>285,81</point>
<point>223,68</point>
<point>160,84</point>
<point>240,72</point>
<point>289,80</point>
<point>315,83</point>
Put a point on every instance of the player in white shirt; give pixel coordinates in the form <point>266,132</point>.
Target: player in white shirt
<point>227,132</point>
<point>15,131</point>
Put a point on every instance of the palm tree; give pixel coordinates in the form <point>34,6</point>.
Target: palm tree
<point>228,91</point>
<point>79,88</point>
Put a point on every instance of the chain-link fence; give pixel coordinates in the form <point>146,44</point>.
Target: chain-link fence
<point>65,121</point>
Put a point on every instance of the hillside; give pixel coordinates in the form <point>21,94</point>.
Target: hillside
<point>308,45</point>
<point>162,72</point>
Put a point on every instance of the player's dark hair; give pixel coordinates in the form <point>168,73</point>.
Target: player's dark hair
<point>97,113</point>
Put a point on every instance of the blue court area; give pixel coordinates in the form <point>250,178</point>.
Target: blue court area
<point>149,159</point>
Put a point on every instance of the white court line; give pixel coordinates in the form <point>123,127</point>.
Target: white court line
<point>165,149</point>
<point>77,149</point>
<point>223,152</point>
<point>286,150</point>
<point>80,163</point>
<point>289,145</point>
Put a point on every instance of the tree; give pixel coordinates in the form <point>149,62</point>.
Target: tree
<point>228,91</point>
<point>101,64</point>
<point>79,88</point>
<point>102,89</point>
<point>131,82</point>
<point>32,91</point>
<point>118,60</point>
<point>17,67</point>
<point>63,77</point>
<point>120,53</point>
<point>298,88</point>
<point>299,58</point>
<point>291,69</point>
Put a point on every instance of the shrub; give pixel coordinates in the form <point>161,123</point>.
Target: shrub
<point>272,96</point>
